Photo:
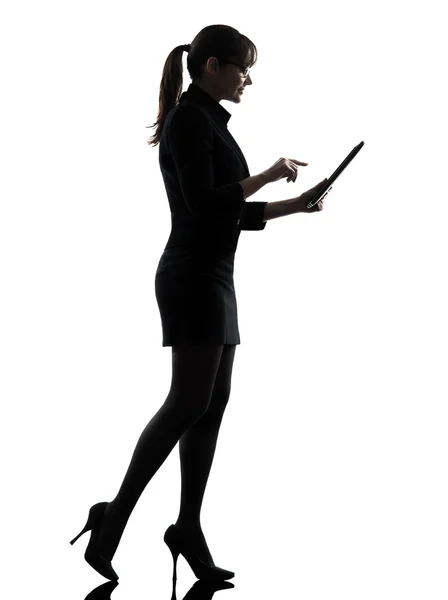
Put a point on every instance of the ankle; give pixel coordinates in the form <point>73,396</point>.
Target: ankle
<point>112,508</point>
<point>116,513</point>
<point>188,524</point>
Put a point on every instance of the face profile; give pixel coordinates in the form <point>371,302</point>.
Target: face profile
<point>225,82</point>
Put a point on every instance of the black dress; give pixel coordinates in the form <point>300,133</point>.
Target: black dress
<point>201,165</point>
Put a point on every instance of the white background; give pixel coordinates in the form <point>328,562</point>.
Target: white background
<point>329,479</point>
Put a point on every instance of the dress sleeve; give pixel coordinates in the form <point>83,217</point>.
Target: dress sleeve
<point>190,140</point>
<point>252,216</point>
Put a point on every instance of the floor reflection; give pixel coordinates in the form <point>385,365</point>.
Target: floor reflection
<point>200,590</point>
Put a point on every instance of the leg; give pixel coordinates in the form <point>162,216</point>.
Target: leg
<point>197,448</point>
<point>194,372</point>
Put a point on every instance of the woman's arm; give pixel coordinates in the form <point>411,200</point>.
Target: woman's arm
<point>281,209</point>
<point>253,184</point>
<point>272,210</point>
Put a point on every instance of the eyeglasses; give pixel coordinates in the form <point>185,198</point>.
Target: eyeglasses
<point>243,68</point>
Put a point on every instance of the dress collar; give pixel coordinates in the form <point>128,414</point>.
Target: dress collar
<point>196,94</point>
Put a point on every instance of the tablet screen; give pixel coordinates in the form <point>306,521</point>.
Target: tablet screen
<point>335,175</point>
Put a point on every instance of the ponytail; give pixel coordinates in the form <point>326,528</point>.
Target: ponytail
<point>221,41</point>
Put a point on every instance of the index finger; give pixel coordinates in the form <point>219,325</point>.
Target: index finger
<point>298,162</point>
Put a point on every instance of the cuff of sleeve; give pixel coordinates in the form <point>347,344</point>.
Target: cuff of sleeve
<point>251,218</point>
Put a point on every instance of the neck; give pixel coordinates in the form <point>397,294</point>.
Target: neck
<point>208,89</point>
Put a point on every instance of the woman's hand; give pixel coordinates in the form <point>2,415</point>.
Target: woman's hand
<point>284,167</point>
<point>302,200</point>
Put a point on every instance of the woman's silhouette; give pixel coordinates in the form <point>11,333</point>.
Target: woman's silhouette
<point>207,181</point>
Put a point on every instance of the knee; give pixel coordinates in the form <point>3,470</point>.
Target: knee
<point>187,408</point>
<point>217,404</point>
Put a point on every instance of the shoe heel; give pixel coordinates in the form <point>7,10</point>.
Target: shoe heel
<point>174,551</point>
<point>177,546</point>
<point>87,527</point>
<point>101,564</point>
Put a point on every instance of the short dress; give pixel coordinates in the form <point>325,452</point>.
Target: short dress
<point>201,165</point>
<point>196,298</point>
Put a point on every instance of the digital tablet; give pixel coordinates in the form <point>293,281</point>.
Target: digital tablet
<point>327,186</point>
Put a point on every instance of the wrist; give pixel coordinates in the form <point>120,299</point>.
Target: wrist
<point>297,204</point>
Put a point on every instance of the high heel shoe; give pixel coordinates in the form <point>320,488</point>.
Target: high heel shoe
<point>102,565</point>
<point>179,544</point>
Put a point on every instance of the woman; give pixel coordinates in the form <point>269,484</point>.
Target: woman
<point>207,181</point>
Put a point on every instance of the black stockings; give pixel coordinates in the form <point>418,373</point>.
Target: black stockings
<point>191,414</point>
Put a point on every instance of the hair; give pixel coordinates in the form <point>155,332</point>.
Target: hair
<point>221,41</point>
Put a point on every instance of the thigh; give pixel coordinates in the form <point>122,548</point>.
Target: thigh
<point>221,389</point>
<point>195,369</point>
<point>224,375</point>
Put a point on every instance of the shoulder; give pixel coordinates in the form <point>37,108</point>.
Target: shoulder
<point>192,114</point>
<point>190,125</point>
